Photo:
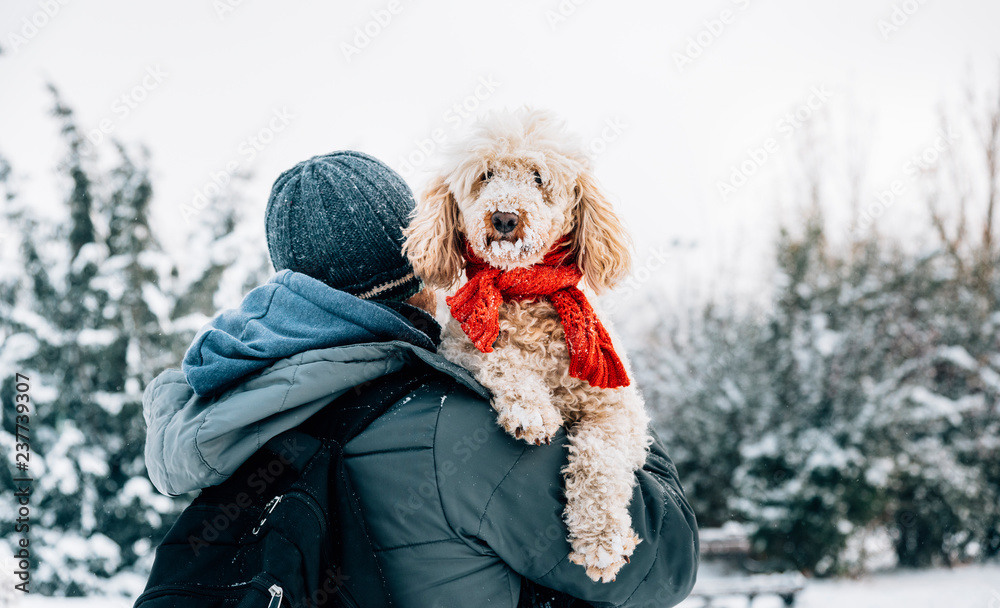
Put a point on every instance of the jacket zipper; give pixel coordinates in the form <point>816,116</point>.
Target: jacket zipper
<point>271,504</point>
<point>269,584</point>
<point>306,499</point>
<point>276,594</point>
<point>298,496</point>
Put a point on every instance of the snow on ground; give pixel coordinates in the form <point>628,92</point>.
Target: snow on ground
<point>74,602</point>
<point>965,587</point>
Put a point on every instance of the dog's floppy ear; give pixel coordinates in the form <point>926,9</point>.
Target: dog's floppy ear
<point>433,240</point>
<point>600,242</point>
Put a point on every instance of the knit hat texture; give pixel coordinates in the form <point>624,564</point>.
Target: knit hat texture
<point>339,218</point>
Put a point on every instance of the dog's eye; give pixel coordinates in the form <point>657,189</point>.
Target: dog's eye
<point>538,178</point>
<point>486,176</point>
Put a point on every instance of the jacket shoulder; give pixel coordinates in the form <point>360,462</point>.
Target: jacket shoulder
<point>441,483</point>
<point>424,473</point>
<point>489,479</point>
<point>439,449</point>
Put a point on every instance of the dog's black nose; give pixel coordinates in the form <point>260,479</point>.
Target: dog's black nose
<point>504,222</point>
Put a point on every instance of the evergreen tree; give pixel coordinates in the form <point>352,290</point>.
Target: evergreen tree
<point>93,317</point>
<point>856,420</point>
<point>865,400</point>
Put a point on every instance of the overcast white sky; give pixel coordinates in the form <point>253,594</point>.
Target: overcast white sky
<point>223,76</point>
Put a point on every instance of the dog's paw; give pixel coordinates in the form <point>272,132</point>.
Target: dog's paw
<point>605,555</point>
<point>533,424</point>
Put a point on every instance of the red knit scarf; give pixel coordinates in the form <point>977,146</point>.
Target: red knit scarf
<point>476,305</point>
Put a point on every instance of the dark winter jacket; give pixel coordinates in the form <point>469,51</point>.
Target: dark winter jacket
<point>449,509</point>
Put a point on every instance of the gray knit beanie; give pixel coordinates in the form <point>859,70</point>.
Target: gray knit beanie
<point>339,218</point>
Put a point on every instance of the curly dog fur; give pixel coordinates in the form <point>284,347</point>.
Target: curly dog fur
<point>524,163</point>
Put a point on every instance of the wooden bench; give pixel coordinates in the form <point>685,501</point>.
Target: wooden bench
<point>729,547</point>
<point>785,586</point>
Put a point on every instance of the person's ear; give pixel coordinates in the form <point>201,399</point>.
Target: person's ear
<point>425,299</point>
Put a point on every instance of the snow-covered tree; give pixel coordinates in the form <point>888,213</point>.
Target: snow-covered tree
<point>857,417</point>
<point>866,397</point>
<point>92,308</point>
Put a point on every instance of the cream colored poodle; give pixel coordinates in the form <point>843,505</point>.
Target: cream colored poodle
<point>520,211</point>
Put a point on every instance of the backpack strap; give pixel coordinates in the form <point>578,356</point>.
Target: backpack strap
<point>345,417</point>
<point>339,423</point>
<point>351,413</point>
<point>294,448</point>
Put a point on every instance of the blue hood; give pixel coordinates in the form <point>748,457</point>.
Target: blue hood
<point>290,314</point>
